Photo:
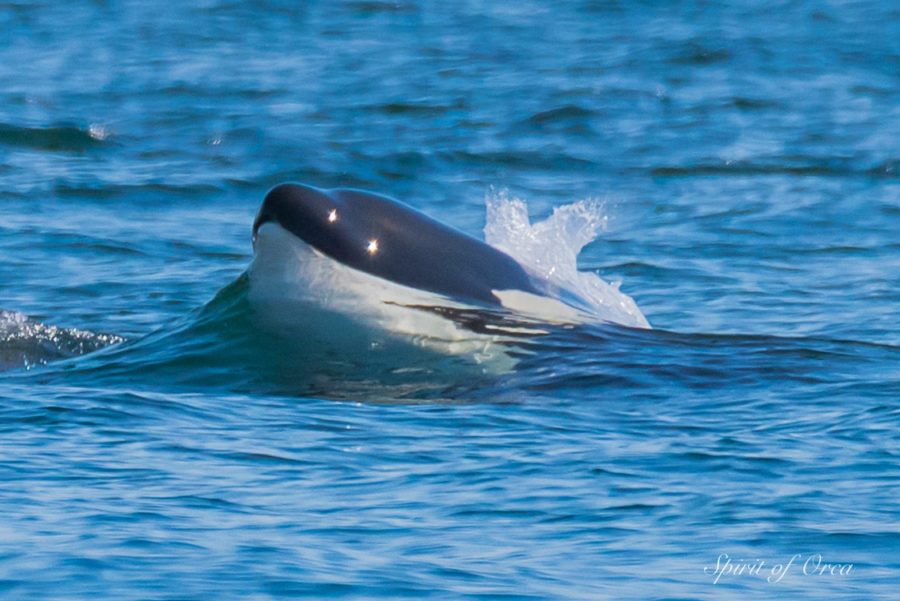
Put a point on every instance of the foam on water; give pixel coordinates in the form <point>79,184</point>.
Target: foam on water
<point>550,250</point>
<point>25,342</point>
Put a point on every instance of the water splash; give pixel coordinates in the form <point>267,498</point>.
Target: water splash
<point>550,249</point>
<point>25,342</point>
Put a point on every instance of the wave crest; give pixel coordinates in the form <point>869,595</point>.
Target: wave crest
<point>25,342</point>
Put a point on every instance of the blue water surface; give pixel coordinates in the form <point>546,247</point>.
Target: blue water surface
<point>747,154</point>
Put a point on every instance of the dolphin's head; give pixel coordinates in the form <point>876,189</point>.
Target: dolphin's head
<point>323,220</point>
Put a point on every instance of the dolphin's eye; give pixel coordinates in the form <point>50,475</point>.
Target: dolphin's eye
<point>332,216</point>
<point>372,248</point>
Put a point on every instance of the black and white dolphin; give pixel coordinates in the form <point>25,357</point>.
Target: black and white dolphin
<point>379,261</point>
<point>392,241</point>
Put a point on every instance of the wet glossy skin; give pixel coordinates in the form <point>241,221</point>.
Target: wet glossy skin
<point>388,239</point>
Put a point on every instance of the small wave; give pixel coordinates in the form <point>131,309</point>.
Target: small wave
<point>563,115</point>
<point>104,190</point>
<point>545,158</point>
<point>25,342</point>
<point>65,138</point>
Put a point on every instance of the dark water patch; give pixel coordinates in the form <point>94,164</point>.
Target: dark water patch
<point>753,104</point>
<point>417,109</point>
<point>889,168</point>
<point>697,54</point>
<point>885,171</point>
<point>156,190</point>
<point>203,502</point>
<point>872,90</point>
<point>373,7</point>
<point>196,90</point>
<point>396,166</point>
<point>641,360</point>
<point>569,115</point>
<point>307,173</point>
<point>74,243</point>
<point>549,158</point>
<point>58,416</point>
<point>841,250</point>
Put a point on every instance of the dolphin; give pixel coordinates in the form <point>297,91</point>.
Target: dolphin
<point>366,257</point>
<point>390,240</point>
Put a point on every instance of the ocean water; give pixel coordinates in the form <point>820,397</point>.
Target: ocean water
<point>744,157</point>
